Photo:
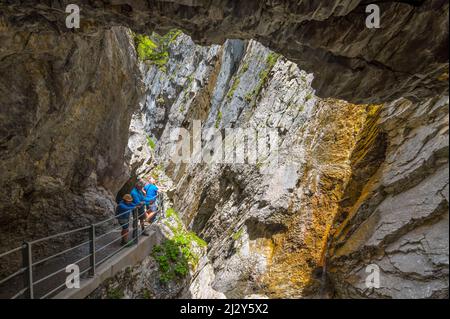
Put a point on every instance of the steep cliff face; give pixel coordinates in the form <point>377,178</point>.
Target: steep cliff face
<point>353,185</point>
<point>407,56</point>
<point>66,104</point>
<point>273,229</point>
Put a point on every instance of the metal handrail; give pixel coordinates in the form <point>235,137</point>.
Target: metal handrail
<point>27,269</point>
<point>20,292</point>
<point>115,229</point>
<point>113,218</point>
<point>19,272</point>
<point>11,251</point>
<point>60,234</point>
<point>118,250</point>
<point>57,271</point>
<point>60,253</point>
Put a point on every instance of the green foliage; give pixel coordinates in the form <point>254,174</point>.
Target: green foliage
<point>146,294</point>
<point>245,67</point>
<point>271,60</point>
<point>233,88</point>
<point>160,101</point>
<point>175,255</point>
<point>219,119</point>
<point>151,143</point>
<point>200,242</point>
<point>249,97</point>
<point>171,213</point>
<point>114,293</point>
<point>238,234</point>
<point>154,49</point>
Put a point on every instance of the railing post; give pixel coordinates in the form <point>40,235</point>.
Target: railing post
<point>27,260</point>
<point>92,250</point>
<point>162,205</point>
<point>135,225</point>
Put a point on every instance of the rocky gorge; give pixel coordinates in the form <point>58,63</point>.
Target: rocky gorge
<point>362,119</point>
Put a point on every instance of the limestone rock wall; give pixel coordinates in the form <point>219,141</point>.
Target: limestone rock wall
<point>268,227</point>
<point>65,107</point>
<point>395,213</point>
<point>355,184</point>
<point>406,57</point>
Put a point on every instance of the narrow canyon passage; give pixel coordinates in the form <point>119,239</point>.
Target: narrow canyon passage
<point>360,176</point>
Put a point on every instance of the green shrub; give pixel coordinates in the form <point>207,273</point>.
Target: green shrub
<point>175,255</point>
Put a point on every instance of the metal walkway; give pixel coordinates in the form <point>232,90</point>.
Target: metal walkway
<point>90,246</point>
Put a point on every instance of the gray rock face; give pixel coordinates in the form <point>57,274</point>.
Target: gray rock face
<point>406,57</point>
<point>354,185</point>
<point>65,108</point>
<point>399,221</point>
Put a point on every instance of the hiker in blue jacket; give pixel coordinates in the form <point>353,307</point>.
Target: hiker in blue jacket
<point>151,195</point>
<point>123,212</point>
<point>138,194</point>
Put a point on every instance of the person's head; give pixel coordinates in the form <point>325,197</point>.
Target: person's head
<point>152,180</point>
<point>140,184</point>
<point>127,198</point>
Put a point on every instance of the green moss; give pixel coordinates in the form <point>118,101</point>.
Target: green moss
<point>249,97</point>
<point>308,97</point>
<point>238,234</point>
<point>154,49</point>
<point>151,143</point>
<point>218,119</point>
<point>160,101</point>
<point>200,242</point>
<point>114,293</point>
<point>146,294</point>
<point>171,213</point>
<point>245,67</point>
<point>233,88</point>
<point>270,62</point>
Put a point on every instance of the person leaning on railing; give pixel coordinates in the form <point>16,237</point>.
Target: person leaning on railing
<point>138,195</point>
<point>123,212</point>
<point>151,194</point>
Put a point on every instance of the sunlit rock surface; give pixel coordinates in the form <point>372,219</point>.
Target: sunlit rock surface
<point>355,185</point>
<point>273,230</point>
